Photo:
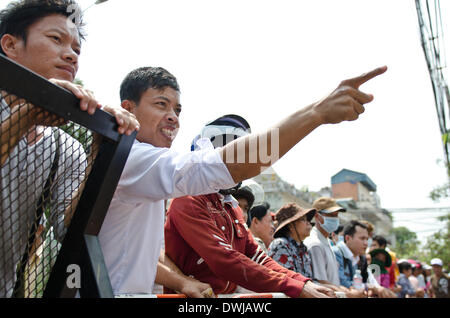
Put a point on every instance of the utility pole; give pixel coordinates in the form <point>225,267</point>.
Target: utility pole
<point>432,38</point>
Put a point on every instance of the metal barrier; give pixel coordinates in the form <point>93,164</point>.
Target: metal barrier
<point>56,187</point>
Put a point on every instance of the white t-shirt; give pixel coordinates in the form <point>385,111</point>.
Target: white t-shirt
<point>23,176</point>
<point>132,233</point>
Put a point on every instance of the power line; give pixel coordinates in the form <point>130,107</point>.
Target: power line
<point>431,39</point>
<point>417,210</point>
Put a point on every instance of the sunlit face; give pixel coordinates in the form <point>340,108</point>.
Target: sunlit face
<point>302,227</point>
<point>243,204</point>
<point>375,246</point>
<point>358,242</point>
<point>51,48</point>
<point>158,114</point>
<point>264,228</point>
<point>437,270</point>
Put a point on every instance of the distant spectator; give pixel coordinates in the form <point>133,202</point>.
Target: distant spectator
<point>439,280</point>
<point>382,258</point>
<point>245,197</point>
<point>325,266</point>
<point>379,242</point>
<point>337,236</point>
<point>427,275</point>
<point>370,230</point>
<point>407,290</point>
<point>347,252</point>
<point>287,248</point>
<point>419,279</point>
<point>350,255</point>
<point>261,225</point>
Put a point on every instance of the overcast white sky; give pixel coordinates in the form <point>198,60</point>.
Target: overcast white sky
<point>264,59</point>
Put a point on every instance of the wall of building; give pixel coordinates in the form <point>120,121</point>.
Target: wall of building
<point>345,190</point>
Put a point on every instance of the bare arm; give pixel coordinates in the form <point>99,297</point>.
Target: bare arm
<point>24,116</point>
<point>170,276</point>
<point>246,157</point>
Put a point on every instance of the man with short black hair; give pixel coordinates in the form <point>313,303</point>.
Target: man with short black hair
<point>407,290</point>
<point>350,254</point>
<point>39,35</point>
<point>154,172</point>
<point>378,242</point>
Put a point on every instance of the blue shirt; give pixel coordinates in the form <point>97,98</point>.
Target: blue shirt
<point>406,287</point>
<point>346,267</point>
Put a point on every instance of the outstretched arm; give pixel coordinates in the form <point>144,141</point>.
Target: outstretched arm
<point>345,103</point>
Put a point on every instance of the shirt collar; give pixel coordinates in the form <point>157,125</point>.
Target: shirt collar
<point>320,236</point>
<point>348,253</point>
<point>228,199</point>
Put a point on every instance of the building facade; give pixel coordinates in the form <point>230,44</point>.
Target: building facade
<point>353,190</point>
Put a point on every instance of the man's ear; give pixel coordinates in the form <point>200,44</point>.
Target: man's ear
<point>10,45</point>
<point>129,105</point>
<point>346,237</point>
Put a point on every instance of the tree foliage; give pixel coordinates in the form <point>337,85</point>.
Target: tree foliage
<point>407,244</point>
<point>438,245</point>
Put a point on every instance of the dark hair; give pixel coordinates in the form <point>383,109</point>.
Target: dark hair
<point>404,266</point>
<point>380,240</point>
<point>258,211</point>
<point>17,17</point>
<point>139,80</point>
<point>350,227</point>
<point>339,229</point>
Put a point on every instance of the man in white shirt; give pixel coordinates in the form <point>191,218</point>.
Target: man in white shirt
<point>131,236</point>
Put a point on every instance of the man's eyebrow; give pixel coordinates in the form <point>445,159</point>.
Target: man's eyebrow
<point>63,32</point>
<point>165,98</point>
<point>162,97</point>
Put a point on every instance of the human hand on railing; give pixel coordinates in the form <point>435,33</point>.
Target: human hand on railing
<point>381,292</point>
<point>87,99</point>
<point>356,293</point>
<point>195,289</point>
<point>127,122</point>
<point>311,290</point>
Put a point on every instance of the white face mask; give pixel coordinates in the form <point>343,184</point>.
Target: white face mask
<point>369,242</point>
<point>330,224</point>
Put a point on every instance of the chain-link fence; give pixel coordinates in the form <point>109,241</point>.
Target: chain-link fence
<point>49,148</point>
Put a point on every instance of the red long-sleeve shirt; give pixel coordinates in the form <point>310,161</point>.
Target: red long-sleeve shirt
<point>208,240</point>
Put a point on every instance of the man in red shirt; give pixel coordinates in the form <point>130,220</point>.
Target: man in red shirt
<point>206,237</point>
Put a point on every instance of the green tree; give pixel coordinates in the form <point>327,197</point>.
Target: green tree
<point>438,245</point>
<point>407,245</point>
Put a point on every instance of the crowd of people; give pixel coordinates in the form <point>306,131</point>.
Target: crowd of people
<point>208,241</point>
<point>348,258</point>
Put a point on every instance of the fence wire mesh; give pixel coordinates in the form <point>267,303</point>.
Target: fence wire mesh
<point>44,163</point>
